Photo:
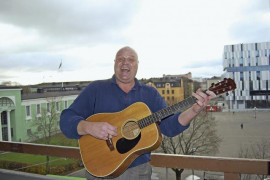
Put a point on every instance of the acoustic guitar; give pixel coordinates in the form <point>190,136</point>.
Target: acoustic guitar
<point>138,134</point>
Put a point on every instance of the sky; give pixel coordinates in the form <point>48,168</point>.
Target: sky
<point>171,37</point>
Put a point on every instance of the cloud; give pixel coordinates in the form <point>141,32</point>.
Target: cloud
<point>254,24</point>
<point>70,21</point>
<point>171,37</point>
<point>36,34</point>
<point>251,31</point>
<point>203,64</point>
<point>33,62</point>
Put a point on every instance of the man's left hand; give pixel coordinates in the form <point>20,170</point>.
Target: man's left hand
<point>203,100</point>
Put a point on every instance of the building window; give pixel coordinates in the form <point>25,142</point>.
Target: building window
<point>57,106</point>
<point>6,102</point>
<point>66,104</point>
<point>29,132</point>
<point>4,118</point>
<point>225,55</point>
<point>172,91</point>
<point>28,111</point>
<point>163,91</point>
<point>39,128</point>
<point>241,61</point>
<point>38,109</point>
<point>48,107</point>
<point>168,91</point>
<point>257,53</point>
<point>269,57</point>
<point>258,73</point>
<point>241,76</point>
<point>248,54</point>
<point>257,60</point>
<point>265,52</point>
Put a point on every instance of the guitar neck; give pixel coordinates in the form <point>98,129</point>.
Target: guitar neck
<point>166,112</point>
<point>218,88</point>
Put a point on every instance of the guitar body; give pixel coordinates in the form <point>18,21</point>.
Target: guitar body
<point>101,161</point>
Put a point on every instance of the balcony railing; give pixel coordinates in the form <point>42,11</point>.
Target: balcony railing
<point>231,167</point>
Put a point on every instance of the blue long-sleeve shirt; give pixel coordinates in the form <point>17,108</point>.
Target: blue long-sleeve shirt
<point>105,96</point>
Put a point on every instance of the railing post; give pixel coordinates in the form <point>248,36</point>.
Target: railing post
<point>167,174</point>
<point>231,176</point>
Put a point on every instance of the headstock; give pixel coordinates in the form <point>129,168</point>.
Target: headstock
<point>223,86</point>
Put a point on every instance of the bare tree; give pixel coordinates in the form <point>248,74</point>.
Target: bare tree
<point>259,150</point>
<point>10,83</point>
<point>47,123</point>
<point>200,138</point>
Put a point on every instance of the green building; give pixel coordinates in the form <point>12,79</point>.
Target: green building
<point>22,107</point>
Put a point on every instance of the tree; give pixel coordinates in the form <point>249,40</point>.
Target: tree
<point>258,150</point>
<point>200,138</point>
<point>188,87</point>
<point>47,123</point>
<point>10,83</point>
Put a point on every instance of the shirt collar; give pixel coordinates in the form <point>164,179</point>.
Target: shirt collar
<point>137,82</point>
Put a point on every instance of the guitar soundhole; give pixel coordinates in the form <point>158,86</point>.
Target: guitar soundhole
<point>124,145</point>
<point>131,136</point>
<point>130,129</point>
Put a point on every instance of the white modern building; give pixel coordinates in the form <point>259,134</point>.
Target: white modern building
<point>249,66</point>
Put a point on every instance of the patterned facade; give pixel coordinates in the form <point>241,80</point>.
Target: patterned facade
<point>249,66</point>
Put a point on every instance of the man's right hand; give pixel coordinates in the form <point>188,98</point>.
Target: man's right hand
<point>99,130</point>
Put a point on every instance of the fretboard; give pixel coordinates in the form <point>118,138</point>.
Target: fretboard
<point>166,112</point>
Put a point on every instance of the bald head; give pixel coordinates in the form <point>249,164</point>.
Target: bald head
<point>128,49</point>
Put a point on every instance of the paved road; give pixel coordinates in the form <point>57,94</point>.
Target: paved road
<point>256,126</point>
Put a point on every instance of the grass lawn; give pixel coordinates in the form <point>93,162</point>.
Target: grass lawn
<point>34,159</point>
<point>58,139</point>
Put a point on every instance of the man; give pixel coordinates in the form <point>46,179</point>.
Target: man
<point>114,95</point>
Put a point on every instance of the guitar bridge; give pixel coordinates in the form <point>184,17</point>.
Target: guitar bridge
<point>110,144</point>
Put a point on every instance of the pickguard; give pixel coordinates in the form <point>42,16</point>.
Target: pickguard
<point>124,145</point>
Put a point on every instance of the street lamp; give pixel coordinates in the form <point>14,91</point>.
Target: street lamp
<point>255,112</point>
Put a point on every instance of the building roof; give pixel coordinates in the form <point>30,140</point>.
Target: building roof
<point>176,82</point>
<point>61,84</point>
<point>49,94</point>
<point>55,89</point>
<point>9,87</point>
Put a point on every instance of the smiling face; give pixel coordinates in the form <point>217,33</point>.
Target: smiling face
<point>126,65</point>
